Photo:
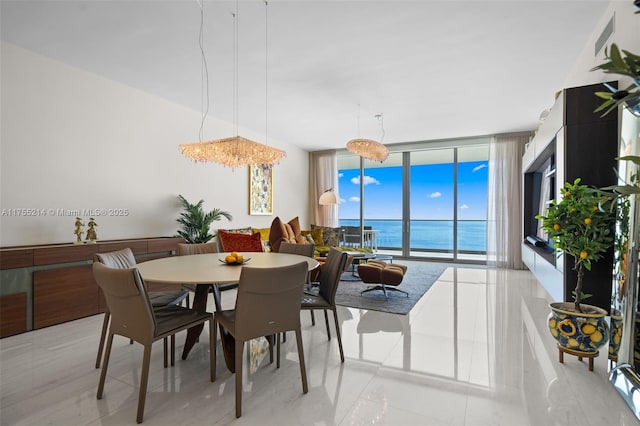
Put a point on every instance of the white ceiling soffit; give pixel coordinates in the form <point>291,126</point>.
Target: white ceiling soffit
<point>435,69</point>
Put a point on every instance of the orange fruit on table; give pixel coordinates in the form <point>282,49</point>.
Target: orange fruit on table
<point>240,258</point>
<point>230,259</point>
<point>234,254</point>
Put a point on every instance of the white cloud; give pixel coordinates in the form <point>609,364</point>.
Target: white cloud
<point>341,200</point>
<point>340,175</point>
<point>354,199</point>
<point>480,167</point>
<point>436,194</point>
<point>367,180</point>
<point>464,207</point>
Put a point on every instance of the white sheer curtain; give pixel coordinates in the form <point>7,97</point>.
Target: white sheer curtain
<point>323,175</point>
<point>504,204</point>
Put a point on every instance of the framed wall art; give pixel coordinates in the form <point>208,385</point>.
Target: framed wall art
<point>260,189</point>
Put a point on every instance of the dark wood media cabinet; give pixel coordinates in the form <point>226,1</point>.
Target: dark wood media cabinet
<point>43,285</point>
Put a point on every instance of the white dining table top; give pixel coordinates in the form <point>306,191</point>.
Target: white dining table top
<point>208,269</point>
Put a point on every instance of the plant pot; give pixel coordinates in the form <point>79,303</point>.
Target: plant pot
<point>579,332</point>
<point>615,335</point>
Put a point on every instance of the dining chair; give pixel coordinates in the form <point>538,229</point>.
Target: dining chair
<point>325,299</point>
<point>124,259</point>
<point>302,250</point>
<point>133,316</point>
<point>202,248</point>
<point>268,303</point>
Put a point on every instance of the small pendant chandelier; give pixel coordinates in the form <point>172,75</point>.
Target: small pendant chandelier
<point>233,151</point>
<point>368,148</point>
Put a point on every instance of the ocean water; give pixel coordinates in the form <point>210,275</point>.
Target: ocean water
<point>429,234</point>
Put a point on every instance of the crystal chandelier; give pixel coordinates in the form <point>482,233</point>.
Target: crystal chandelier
<point>233,151</point>
<point>368,148</point>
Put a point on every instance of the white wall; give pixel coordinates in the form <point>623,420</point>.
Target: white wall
<point>626,35</point>
<point>72,140</point>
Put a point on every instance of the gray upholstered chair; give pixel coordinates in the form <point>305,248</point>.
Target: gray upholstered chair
<point>268,303</point>
<point>325,299</point>
<point>124,259</point>
<point>133,316</point>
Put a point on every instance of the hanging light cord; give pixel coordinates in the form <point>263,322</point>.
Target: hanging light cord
<point>204,74</point>
<point>266,71</point>
<point>235,69</point>
<point>380,118</point>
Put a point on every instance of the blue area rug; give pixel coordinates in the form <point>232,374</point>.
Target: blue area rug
<point>417,281</point>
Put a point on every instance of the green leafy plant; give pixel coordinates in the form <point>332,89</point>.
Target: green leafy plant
<point>196,222</point>
<point>624,63</point>
<point>580,225</point>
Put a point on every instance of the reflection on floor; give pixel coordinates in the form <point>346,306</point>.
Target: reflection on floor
<point>474,351</point>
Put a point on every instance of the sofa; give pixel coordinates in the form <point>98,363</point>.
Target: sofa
<point>269,239</point>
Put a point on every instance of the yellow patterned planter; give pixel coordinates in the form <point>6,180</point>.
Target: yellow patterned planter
<point>578,332</point>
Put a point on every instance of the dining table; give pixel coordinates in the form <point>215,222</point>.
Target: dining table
<point>209,271</point>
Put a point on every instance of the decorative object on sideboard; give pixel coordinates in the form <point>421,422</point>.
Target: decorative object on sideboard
<point>92,234</point>
<point>78,231</point>
<point>233,151</point>
<point>195,222</point>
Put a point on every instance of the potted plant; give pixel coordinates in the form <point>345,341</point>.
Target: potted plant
<point>623,63</point>
<point>580,225</point>
<point>196,222</point>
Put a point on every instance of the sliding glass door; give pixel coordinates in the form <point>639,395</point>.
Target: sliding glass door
<point>428,203</point>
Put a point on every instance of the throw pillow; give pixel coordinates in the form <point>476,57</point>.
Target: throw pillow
<point>309,239</point>
<point>240,242</point>
<point>277,234</point>
<point>316,234</point>
<point>246,230</point>
<point>264,233</point>
<point>330,236</point>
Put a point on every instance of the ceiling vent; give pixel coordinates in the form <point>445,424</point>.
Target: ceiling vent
<point>605,35</point>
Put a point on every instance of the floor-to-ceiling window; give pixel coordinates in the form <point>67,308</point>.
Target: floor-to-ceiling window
<point>421,202</point>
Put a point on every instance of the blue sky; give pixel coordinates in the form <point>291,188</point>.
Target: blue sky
<point>431,192</point>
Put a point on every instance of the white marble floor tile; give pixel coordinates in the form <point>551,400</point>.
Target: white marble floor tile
<point>473,351</point>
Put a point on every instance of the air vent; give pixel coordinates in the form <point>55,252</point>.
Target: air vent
<point>604,36</point>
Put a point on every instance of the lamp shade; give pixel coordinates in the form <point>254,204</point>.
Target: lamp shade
<point>328,198</point>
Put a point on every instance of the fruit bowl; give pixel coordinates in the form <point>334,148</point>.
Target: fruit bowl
<point>242,262</point>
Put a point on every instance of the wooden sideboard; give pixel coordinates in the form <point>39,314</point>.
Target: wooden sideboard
<point>50,284</point>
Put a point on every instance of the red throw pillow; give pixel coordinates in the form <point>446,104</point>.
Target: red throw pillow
<point>240,242</point>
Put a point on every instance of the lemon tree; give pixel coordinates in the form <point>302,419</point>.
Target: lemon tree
<point>580,224</point>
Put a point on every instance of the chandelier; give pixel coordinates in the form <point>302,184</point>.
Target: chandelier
<point>368,148</point>
<point>234,151</point>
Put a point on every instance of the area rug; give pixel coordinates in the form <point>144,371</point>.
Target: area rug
<point>419,278</point>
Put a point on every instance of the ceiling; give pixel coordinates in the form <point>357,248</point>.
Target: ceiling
<point>433,69</point>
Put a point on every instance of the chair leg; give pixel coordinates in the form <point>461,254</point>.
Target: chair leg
<point>303,368</point>
<point>103,335</point>
<point>335,318</point>
<point>105,365</point>
<point>173,350</point>
<point>326,320</point>
<point>214,347</point>
<point>278,350</point>
<point>165,348</point>
<point>144,379</point>
<point>239,349</point>
<point>313,317</point>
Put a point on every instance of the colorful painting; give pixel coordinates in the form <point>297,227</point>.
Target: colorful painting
<point>260,189</point>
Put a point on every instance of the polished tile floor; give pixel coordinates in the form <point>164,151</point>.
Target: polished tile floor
<point>473,351</point>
